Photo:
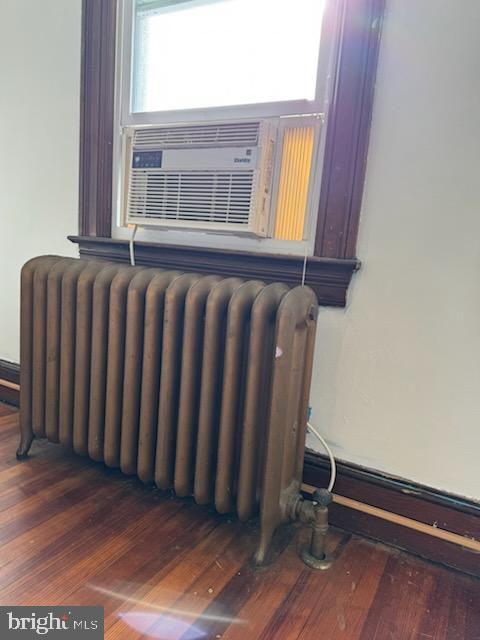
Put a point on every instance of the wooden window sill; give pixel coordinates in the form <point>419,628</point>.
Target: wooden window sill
<point>328,277</point>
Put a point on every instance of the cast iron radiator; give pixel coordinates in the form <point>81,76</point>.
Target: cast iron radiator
<point>195,383</point>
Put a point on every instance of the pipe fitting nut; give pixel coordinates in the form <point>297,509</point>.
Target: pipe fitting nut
<point>322,497</point>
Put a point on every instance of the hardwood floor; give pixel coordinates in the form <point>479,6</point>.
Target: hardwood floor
<point>74,532</point>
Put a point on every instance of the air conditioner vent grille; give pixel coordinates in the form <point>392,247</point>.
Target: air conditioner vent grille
<point>216,197</point>
<point>202,135</point>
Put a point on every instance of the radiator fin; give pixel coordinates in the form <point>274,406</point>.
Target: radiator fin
<point>155,302</point>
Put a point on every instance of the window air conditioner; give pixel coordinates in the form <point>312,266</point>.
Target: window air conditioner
<point>203,176</point>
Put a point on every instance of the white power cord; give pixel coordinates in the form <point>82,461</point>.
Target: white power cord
<point>304,270</point>
<point>132,246</point>
<point>333,466</point>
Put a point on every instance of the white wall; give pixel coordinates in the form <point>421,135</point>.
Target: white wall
<point>397,375</point>
<point>39,116</point>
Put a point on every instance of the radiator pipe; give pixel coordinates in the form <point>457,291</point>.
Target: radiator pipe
<point>315,513</point>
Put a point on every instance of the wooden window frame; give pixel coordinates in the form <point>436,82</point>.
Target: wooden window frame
<point>330,269</point>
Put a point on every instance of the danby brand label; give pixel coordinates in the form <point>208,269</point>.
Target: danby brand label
<point>21,623</point>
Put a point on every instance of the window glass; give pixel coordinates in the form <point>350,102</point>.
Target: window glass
<point>201,54</point>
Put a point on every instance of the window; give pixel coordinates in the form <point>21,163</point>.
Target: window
<point>115,95</point>
<point>221,113</point>
<point>193,54</point>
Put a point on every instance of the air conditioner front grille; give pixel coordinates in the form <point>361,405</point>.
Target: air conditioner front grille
<point>217,197</point>
<point>202,135</point>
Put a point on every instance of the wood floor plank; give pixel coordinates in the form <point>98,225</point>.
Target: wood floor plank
<point>342,607</point>
<point>95,550</point>
<point>35,549</point>
<point>129,576</point>
<point>210,599</point>
<point>7,410</point>
<point>471,595</point>
<point>390,616</point>
<point>75,532</point>
<point>435,620</point>
<point>168,584</point>
<point>17,489</point>
<point>267,595</point>
<point>317,592</point>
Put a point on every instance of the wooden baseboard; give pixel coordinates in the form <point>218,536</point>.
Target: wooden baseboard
<point>10,382</point>
<point>419,519</point>
<point>410,516</point>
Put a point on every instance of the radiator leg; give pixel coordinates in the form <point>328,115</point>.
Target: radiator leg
<point>266,535</point>
<point>26,440</point>
<point>316,513</point>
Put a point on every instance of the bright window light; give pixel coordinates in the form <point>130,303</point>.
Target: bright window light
<point>201,54</point>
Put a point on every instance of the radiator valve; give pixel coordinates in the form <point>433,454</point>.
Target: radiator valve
<point>315,513</point>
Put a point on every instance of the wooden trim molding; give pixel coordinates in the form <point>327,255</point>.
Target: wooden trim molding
<point>10,382</point>
<point>348,127</point>
<point>356,26</point>
<point>97,116</point>
<point>329,278</point>
<point>395,511</point>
